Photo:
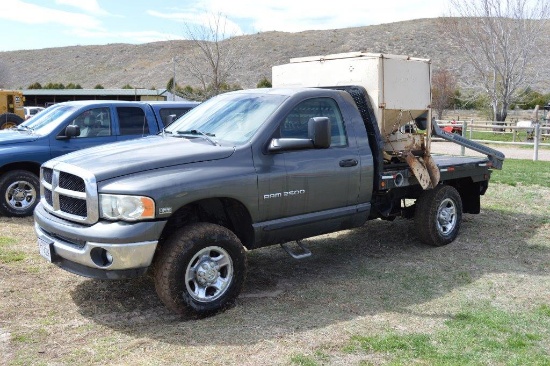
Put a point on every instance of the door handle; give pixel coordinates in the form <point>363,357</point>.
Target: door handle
<point>348,163</point>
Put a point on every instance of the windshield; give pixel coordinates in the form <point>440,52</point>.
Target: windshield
<point>41,123</point>
<point>227,118</point>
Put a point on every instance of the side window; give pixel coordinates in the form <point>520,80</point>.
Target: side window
<point>295,124</point>
<point>176,112</point>
<point>132,121</point>
<point>94,123</point>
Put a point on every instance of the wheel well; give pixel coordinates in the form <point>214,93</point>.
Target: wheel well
<point>28,166</point>
<point>226,212</point>
<point>470,193</point>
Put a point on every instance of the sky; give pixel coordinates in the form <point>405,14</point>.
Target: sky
<point>36,24</point>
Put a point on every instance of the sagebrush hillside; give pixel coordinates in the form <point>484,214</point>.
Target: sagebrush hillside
<point>150,65</point>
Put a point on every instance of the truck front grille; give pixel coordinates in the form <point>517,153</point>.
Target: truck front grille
<point>71,182</point>
<point>74,206</point>
<point>47,174</point>
<point>69,192</point>
<point>47,195</point>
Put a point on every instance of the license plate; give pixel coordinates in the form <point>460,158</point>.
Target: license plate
<point>45,249</point>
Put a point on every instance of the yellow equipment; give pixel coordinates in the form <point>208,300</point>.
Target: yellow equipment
<point>11,108</point>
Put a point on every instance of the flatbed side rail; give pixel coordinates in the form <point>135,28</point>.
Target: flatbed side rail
<point>495,157</point>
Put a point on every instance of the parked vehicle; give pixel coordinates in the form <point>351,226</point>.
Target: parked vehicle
<point>252,168</point>
<point>454,127</point>
<point>31,111</point>
<point>11,108</point>
<point>67,127</point>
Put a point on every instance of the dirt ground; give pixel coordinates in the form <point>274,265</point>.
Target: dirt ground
<point>372,280</point>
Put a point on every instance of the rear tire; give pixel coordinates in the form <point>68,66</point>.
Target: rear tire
<point>438,215</point>
<point>200,269</point>
<point>19,193</point>
<point>9,120</point>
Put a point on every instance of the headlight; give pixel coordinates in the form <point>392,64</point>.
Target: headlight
<point>128,208</point>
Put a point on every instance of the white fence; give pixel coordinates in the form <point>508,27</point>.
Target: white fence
<point>526,134</point>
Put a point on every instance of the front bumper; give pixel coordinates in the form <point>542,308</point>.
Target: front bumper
<point>106,250</point>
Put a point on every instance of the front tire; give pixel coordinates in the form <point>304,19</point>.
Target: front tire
<point>19,193</point>
<point>438,215</point>
<point>9,120</point>
<point>200,269</point>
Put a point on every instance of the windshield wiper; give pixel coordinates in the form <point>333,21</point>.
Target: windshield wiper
<point>200,133</point>
<point>23,128</point>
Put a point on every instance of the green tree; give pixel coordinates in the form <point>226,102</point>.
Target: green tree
<point>35,85</point>
<point>54,86</point>
<point>170,84</point>
<point>200,95</point>
<point>99,86</point>
<point>127,86</point>
<point>264,83</point>
<point>529,99</point>
<point>73,86</point>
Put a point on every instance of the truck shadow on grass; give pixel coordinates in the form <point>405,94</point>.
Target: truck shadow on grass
<point>351,274</point>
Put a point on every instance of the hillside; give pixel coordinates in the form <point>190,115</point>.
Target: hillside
<point>150,65</point>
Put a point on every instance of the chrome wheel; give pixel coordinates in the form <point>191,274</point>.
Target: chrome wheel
<point>200,269</point>
<point>209,274</point>
<point>446,216</point>
<point>20,195</point>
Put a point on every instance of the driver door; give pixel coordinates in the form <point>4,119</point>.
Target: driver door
<point>298,182</point>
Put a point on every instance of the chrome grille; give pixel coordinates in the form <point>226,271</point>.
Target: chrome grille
<point>48,174</point>
<point>69,192</point>
<point>48,196</point>
<point>74,206</point>
<point>71,182</point>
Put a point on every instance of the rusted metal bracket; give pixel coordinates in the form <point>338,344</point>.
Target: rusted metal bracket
<point>424,169</point>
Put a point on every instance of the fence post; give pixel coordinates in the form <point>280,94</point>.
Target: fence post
<point>537,138</point>
<point>463,133</point>
<point>471,128</point>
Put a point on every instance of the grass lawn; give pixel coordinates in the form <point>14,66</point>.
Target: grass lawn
<point>525,172</point>
<point>500,137</point>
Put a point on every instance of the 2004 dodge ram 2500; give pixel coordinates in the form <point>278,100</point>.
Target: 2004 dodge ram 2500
<point>253,168</point>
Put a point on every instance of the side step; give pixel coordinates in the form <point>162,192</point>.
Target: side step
<point>304,254</point>
<point>495,156</point>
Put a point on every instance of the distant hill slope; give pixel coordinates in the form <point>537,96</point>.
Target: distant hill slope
<point>150,65</point>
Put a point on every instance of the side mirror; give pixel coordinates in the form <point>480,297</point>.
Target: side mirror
<point>319,137</point>
<point>70,131</point>
<point>319,132</point>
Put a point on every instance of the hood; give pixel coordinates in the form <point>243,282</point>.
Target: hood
<point>8,137</point>
<point>132,156</point>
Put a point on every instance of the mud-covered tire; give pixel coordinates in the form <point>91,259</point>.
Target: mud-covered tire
<point>19,193</point>
<point>200,269</point>
<point>438,215</point>
<point>9,120</point>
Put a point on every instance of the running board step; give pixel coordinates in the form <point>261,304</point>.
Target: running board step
<point>304,254</point>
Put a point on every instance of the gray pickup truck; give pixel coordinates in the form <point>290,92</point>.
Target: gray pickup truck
<point>244,170</point>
